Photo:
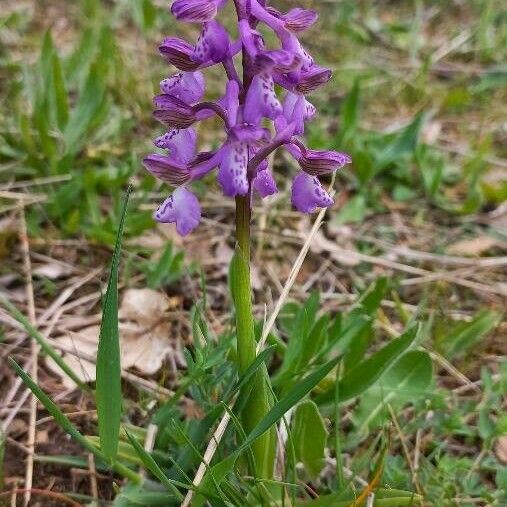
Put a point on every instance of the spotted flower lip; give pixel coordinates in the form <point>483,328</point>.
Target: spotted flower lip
<point>264,183</point>
<point>318,163</point>
<point>180,142</point>
<point>186,86</point>
<point>264,108</point>
<point>213,43</point>
<point>308,194</point>
<point>181,208</point>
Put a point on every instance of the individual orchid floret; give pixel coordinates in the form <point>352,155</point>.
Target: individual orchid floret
<point>181,208</point>
<point>233,169</point>
<point>298,110</point>
<point>186,86</point>
<point>308,194</point>
<point>318,163</point>
<point>297,19</point>
<point>212,45</point>
<point>180,142</point>
<point>264,183</point>
<point>261,100</point>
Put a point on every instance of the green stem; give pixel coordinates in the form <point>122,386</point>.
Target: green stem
<point>258,404</point>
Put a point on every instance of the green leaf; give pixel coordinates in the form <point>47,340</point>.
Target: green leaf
<point>61,105</point>
<point>383,498</point>
<point>301,351</point>
<point>89,103</point>
<point>350,113</point>
<point>407,380</point>
<point>310,437</point>
<point>260,359</point>
<point>362,376</point>
<point>108,393</point>
<point>467,334</point>
<point>402,145</point>
<point>299,331</point>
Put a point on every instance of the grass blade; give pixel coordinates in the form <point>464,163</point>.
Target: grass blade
<point>153,467</point>
<point>108,393</point>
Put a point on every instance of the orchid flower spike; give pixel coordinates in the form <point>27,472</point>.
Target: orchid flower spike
<point>246,108</point>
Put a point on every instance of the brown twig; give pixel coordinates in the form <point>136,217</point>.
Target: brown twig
<point>34,353</point>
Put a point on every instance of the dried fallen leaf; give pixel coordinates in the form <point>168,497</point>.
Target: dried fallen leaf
<point>52,270</point>
<point>430,132</point>
<point>472,247</point>
<point>501,449</point>
<point>144,338</point>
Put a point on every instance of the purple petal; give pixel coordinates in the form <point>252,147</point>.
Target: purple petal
<point>317,162</point>
<point>194,11</point>
<point>294,111</point>
<point>312,79</point>
<point>232,173</point>
<point>186,86</point>
<point>251,39</point>
<point>181,208</point>
<point>231,101</point>
<point>298,20</point>
<point>178,53</point>
<point>173,112</point>
<point>308,194</point>
<point>264,183</point>
<point>181,142</point>
<point>261,99</point>
<point>293,45</point>
<point>167,169</point>
<point>298,110</point>
<point>213,43</point>
<point>249,133</point>
<point>277,59</point>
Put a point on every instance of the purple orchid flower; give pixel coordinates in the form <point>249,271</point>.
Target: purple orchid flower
<point>247,104</point>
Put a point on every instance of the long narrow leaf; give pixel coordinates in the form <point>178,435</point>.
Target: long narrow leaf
<point>153,467</point>
<point>108,395</point>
